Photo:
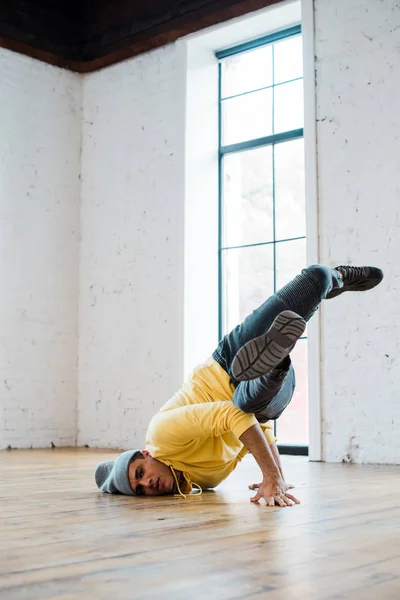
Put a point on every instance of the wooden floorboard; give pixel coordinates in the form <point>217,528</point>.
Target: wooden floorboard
<point>62,539</point>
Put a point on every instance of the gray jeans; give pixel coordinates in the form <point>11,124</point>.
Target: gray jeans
<point>269,395</point>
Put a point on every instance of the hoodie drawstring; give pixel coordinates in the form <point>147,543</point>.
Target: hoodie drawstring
<point>178,487</point>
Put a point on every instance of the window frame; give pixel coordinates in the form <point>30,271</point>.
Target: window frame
<point>224,150</point>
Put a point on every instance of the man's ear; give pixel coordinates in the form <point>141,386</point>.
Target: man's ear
<point>146,453</point>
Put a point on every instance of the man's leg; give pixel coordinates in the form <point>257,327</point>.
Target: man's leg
<point>263,353</point>
<point>302,296</point>
<point>267,396</point>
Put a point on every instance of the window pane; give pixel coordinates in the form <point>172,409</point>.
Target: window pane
<point>288,59</point>
<point>263,196</point>
<point>290,207</point>
<point>290,260</point>
<point>247,209</point>
<point>292,426</point>
<point>288,106</point>
<point>247,117</point>
<point>247,72</point>
<point>248,280</point>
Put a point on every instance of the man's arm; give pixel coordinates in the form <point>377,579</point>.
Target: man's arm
<point>275,454</point>
<point>273,488</point>
<point>173,429</point>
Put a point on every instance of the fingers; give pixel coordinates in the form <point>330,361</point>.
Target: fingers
<point>256,498</point>
<point>282,500</point>
<point>254,486</point>
<point>292,498</point>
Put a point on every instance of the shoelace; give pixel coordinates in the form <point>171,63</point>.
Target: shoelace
<point>351,273</point>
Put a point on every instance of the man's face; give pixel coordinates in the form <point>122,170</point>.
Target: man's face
<point>150,477</point>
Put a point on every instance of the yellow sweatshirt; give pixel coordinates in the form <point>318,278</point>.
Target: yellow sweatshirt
<point>197,431</point>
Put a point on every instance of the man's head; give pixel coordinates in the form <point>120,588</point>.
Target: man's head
<point>135,473</point>
<point>149,476</point>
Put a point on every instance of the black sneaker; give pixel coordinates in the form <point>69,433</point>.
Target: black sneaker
<point>260,355</point>
<point>357,279</point>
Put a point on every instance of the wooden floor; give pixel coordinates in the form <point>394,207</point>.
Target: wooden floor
<point>62,539</point>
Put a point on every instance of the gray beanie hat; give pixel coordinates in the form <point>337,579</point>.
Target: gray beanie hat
<point>112,476</point>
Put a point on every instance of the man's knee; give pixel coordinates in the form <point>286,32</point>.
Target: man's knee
<point>322,276</point>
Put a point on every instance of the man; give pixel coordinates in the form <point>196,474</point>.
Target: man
<point>223,411</point>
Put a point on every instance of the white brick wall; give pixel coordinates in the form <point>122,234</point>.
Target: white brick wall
<point>358,91</point>
<point>40,130</point>
<point>131,272</point>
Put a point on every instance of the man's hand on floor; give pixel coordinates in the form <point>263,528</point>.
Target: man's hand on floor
<point>274,492</point>
<point>255,486</point>
<point>273,488</point>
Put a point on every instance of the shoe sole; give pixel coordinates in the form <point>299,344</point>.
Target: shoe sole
<point>260,355</point>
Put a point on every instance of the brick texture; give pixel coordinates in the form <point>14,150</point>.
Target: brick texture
<point>131,274</point>
<point>40,134</point>
<point>357,51</point>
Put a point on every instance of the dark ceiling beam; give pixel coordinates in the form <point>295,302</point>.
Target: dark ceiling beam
<point>167,32</point>
<point>99,33</point>
<point>52,26</point>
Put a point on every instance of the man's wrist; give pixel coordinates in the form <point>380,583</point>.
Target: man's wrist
<point>271,473</point>
<point>254,440</point>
